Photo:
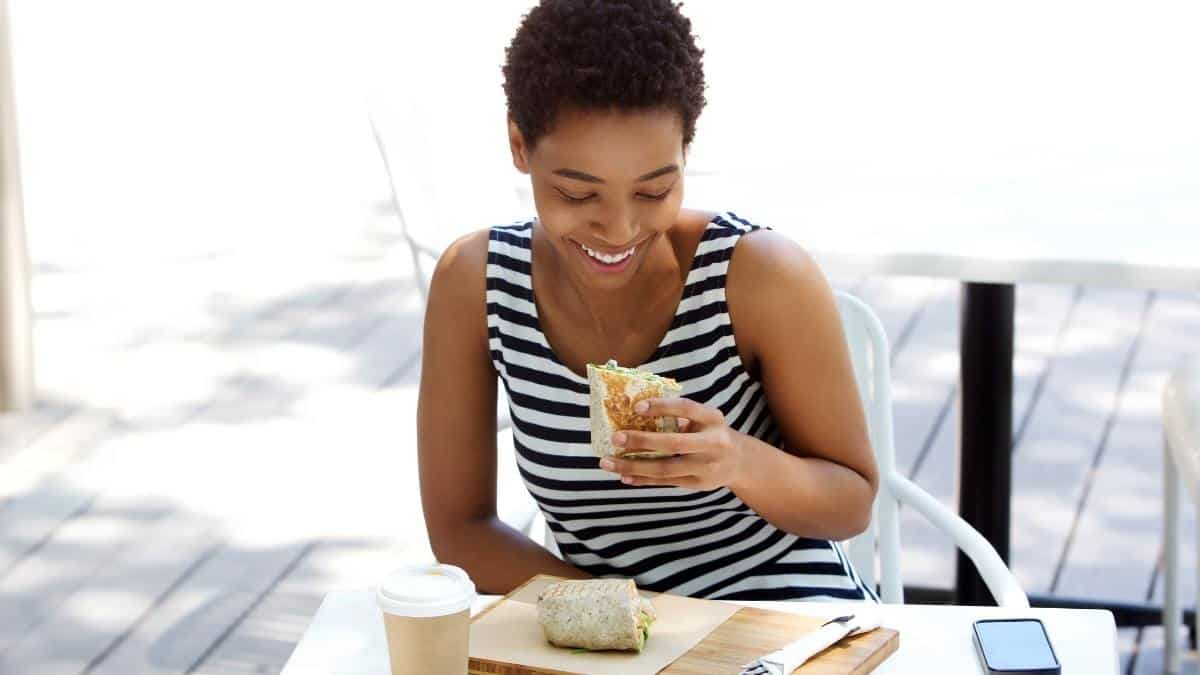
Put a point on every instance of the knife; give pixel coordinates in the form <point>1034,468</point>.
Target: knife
<point>792,656</point>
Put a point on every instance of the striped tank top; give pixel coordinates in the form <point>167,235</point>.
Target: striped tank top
<point>704,544</point>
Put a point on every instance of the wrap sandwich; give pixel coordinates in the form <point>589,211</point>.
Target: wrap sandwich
<point>595,614</point>
<point>614,391</point>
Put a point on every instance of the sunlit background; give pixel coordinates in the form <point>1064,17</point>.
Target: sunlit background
<point>227,314</point>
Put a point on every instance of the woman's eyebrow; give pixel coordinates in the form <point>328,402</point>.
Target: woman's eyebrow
<point>589,178</point>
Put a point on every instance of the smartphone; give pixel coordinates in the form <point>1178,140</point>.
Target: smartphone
<point>1015,646</point>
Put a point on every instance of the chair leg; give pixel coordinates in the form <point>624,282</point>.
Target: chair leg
<point>1171,612</point>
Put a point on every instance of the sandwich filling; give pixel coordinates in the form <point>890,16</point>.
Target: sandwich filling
<point>614,391</point>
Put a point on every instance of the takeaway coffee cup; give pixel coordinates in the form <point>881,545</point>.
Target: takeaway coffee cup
<point>427,619</point>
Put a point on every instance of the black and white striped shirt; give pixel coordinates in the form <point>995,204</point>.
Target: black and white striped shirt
<point>702,544</point>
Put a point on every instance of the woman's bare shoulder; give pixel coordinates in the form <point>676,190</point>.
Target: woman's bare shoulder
<point>462,267</point>
<point>775,290</point>
<point>766,262</point>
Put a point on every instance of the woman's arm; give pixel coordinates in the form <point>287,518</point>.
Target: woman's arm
<point>456,432</point>
<point>823,483</point>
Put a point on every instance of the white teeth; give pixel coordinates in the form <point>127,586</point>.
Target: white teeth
<point>608,259</point>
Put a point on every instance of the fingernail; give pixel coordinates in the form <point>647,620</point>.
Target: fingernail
<point>641,407</point>
<point>626,480</point>
<point>607,464</point>
<point>618,439</point>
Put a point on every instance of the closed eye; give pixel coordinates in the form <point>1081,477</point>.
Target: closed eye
<point>574,199</point>
<point>586,198</point>
<point>658,197</point>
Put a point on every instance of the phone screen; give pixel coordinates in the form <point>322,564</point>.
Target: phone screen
<point>1015,645</point>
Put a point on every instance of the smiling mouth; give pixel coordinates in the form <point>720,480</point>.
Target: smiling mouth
<point>608,258</point>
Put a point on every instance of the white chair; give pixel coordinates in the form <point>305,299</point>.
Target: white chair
<point>442,187</point>
<point>429,220</point>
<point>1181,460</point>
<point>869,354</point>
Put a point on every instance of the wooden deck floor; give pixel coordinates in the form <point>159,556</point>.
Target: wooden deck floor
<point>208,460</point>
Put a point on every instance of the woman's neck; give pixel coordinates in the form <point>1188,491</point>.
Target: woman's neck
<point>612,313</point>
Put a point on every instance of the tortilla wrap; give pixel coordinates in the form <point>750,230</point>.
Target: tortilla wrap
<point>595,614</point>
<point>614,391</point>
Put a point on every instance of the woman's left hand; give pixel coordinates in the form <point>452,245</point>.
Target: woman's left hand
<point>709,455</point>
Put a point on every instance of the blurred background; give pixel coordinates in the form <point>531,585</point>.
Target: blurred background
<point>226,305</point>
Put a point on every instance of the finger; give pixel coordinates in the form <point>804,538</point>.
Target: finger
<point>670,467</point>
<point>679,407</point>
<point>675,443</point>
<point>687,482</point>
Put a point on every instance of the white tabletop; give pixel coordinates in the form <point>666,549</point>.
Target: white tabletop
<point>346,637</point>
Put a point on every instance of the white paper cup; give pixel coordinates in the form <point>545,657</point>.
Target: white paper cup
<point>427,618</point>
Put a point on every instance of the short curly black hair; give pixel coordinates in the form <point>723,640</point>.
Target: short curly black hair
<point>602,55</point>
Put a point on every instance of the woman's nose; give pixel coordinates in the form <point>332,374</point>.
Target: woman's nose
<point>616,225</point>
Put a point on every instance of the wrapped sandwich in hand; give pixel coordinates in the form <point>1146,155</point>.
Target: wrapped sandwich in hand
<point>595,614</point>
<point>614,392</point>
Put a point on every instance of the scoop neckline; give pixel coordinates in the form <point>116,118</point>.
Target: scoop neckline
<point>656,354</point>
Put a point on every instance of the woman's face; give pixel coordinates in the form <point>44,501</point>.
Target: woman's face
<point>606,186</point>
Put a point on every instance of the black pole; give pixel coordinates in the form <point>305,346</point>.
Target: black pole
<point>985,436</point>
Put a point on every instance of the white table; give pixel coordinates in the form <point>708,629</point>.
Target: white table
<point>346,637</point>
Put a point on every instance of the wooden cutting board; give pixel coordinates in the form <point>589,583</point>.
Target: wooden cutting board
<point>747,634</point>
<point>753,632</point>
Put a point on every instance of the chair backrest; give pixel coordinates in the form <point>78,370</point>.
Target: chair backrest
<point>444,183</point>
<point>868,347</point>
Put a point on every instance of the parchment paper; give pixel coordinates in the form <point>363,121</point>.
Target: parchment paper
<point>510,633</point>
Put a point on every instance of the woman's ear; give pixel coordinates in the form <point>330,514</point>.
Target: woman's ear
<point>516,143</point>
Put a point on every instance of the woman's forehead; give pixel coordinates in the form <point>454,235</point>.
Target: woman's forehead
<point>621,142</point>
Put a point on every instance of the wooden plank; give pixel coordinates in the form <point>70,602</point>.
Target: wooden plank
<point>28,522</point>
<point>34,515</point>
<point>1041,317</point>
<point>924,361</point>
<point>157,643</point>
<point>174,635</point>
<point>28,518</point>
<point>258,642</point>
<point>18,429</point>
<point>1051,463</point>
<point>95,614</point>
<point>752,632</point>
<point>79,550</point>
<point>52,450</point>
<point>899,302</point>
<point>337,334</point>
<point>265,638</point>
<point>1115,546</point>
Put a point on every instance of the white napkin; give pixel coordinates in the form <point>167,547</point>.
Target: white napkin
<point>792,656</point>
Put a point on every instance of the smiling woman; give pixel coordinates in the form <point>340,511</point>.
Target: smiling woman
<point>771,460</point>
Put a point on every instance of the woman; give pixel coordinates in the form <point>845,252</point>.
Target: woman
<point>773,460</point>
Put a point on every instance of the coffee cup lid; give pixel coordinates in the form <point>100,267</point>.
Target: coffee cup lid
<point>426,591</point>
